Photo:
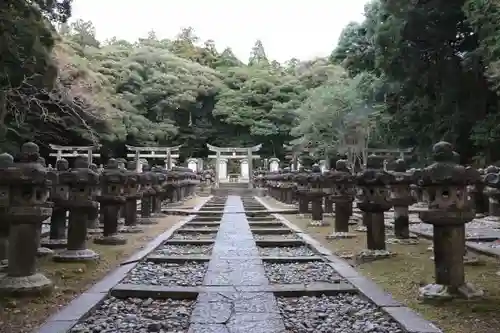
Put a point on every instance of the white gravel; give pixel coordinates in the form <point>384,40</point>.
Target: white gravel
<point>288,236</point>
<point>131,315</point>
<point>183,250</point>
<point>343,313</point>
<point>167,274</point>
<point>300,272</point>
<point>194,236</point>
<point>286,251</point>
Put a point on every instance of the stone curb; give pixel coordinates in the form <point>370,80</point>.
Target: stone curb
<point>63,320</point>
<point>409,320</point>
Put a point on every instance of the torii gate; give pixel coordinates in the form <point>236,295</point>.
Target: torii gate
<point>74,151</point>
<point>233,152</point>
<point>153,152</point>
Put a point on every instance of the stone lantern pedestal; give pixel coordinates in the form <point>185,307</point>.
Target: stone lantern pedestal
<point>317,190</point>
<point>83,184</point>
<point>58,194</point>
<point>113,181</point>
<point>341,183</point>
<point>302,185</point>
<point>401,199</point>
<point>132,194</point>
<point>25,190</point>
<point>374,199</point>
<point>449,209</point>
<point>147,180</point>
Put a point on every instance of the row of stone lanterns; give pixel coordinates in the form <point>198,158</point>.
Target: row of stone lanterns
<point>444,185</point>
<point>31,193</point>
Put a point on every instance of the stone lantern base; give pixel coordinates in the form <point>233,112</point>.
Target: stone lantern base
<point>131,229</point>
<point>438,292</point>
<point>147,221</point>
<point>321,223</point>
<point>25,285</point>
<point>404,241</point>
<point>341,235</point>
<point>76,256</point>
<point>372,255</point>
<point>110,240</point>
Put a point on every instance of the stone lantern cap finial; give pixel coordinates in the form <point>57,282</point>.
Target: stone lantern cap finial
<point>6,160</point>
<point>402,176</point>
<point>445,171</point>
<point>62,165</point>
<point>316,168</point>
<point>374,174</point>
<point>28,170</point>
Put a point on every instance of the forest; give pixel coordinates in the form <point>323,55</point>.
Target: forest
<point>410,74</point>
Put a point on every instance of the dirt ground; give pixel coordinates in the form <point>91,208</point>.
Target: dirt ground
<point>26,314</point>
<point>411,268</point>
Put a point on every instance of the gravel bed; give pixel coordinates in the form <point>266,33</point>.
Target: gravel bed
<point>205,227</point>
<point>183,250</point>
<point>168,274</point>
<point>131,315</point>
<point>341,313</point>
<point>285,251</point>
<point>303,272</point>
<point>289,236</point>
<point>197,236</point>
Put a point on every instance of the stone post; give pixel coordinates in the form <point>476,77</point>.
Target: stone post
<point>289,185</point>
<point>6,162</point>
<point>82,183</point>
<point>113,181</point>
<point>401,198</point>
<point>147,180</point>
<point>302,185</point>
<point>316,194</point>
<point>132,192</point>
<point>341,183</point>
<point>58,195</point>
<point>26,189</point>
<point>449,209</point>
<point>93,216</point>
<point>492,190</point>
<point>479,196</point>
<point>374,199</point>
<point>160,188</point>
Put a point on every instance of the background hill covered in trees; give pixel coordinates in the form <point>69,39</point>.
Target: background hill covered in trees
<point>409,74</point>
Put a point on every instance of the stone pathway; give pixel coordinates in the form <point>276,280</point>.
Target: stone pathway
<point>236,272</point>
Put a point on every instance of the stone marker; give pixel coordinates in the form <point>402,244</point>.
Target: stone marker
<point>93,216</point>
<point>302,184</point>
<point>374,199</point>
<point>401,199</point>
<point>132,194</point>
<point>148,179</point>
<point>317,191</point>
<point>449,208</point>
<point>492,190</point>
<point>6,162</point>
<point>58,194</point>
<point>113,180</point>
<point>341,183</point>
<point>28,191</point>
<point>83,184</point>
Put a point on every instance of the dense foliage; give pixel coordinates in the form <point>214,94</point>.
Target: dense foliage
<point>410,74</point>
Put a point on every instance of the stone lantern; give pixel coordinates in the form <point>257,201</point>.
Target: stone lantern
<point>302,185</point>
<point>287,185</point>
<point>6,162</point>
<point>25,190</point>
<point>171,187</point>
<point>478,195</point>
<point>161,190</point>
<point>113,181</point>
<point>272,184</point>
<point>492,190</point>
<point>147,180</point>
<point>58,195</point>
<point>401,199</point>
<point>449,209</point>
<point>342,191</point>
<point>83,186</point>
<point>132,192</point>
<point>316,193</point>
<point>374,199</point>
<point>93,216</point>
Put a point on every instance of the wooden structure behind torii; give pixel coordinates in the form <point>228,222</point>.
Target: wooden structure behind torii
<point>233,151</point>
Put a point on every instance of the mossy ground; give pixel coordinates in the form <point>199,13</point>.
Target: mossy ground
<point>24,315</point>
<point>411,268</point>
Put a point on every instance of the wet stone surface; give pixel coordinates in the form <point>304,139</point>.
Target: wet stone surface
<point>196,236</point>
<point>264,237</point>
<point>183,250</point>
<point>138,315</point>
<point>167,274</point>
<point>303,272</point>
<point>341,313</point>
<point>286,251</point>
